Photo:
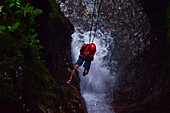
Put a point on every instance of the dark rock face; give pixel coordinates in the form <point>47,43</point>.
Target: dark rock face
<point>144,86</point>
<point>155,11</point>
<point>55,35</point>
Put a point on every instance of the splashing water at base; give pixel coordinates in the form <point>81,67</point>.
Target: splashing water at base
<point>94,86</point>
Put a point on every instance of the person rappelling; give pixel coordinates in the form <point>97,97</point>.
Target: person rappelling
<point>87,53</point>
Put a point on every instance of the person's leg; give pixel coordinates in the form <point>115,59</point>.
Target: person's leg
<point>78,64</point>
<point>74,70</point>
<point>86,67</point>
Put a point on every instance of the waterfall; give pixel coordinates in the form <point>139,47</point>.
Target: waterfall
<point>122,30</point>
<point>95,85</point>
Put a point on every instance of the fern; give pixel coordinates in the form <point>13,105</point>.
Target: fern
<point>15,3</point>
<point>30,10</point>
<point>38,12</point>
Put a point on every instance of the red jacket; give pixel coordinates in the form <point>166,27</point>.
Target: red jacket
<point>86,48</point>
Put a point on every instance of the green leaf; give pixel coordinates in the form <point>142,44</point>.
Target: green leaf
<point>33,36</point>
<point>31,43</point>
<point>32,19</point>
<point>1,8</point>
<point>2,27</point>
<point>25,12</point>
<point>32,30</point>
<point>30,9</point>
<point>15,26</point>
<point>1,32</point>
<point>38,11</point>
<point>10,28</point>
<point>43,60</point>
<point>37,41</point>
<point>19,53</point>
<point>41,47</point>
<point>25,9</point>
<point>18,6</point>
<point>19,11</point>
<point>12,4</point>
<point>18,3</point>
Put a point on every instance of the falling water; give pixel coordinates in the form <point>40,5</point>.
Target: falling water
<point>115,24</point>
<point>94,86</point>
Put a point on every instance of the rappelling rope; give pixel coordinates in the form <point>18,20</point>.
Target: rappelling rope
<point>93,20</point>
<point>97,20</point>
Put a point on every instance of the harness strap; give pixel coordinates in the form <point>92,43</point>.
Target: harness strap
<point>82,51</point>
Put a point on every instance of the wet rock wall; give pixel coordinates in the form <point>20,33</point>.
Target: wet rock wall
<point>143,83</point>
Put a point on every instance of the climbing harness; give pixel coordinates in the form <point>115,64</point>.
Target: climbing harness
<point>82,51</point>
<point>93,20</point>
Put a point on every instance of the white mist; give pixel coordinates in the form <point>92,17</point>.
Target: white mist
<point>95,85</point>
